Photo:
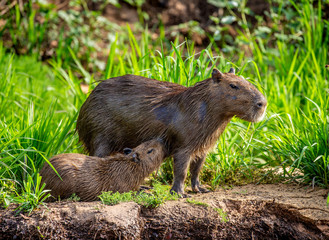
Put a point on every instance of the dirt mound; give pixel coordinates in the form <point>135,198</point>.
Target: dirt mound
<point>247,212</point>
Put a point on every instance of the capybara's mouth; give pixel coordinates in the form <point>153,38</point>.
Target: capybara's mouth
<point>259,116</point>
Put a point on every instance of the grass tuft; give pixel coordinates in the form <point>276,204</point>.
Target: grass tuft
<point>157,196</point>
<point>33,195</point>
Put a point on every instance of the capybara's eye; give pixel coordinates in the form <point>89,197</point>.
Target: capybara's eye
<point>149,151</point>
<point>234,86</point>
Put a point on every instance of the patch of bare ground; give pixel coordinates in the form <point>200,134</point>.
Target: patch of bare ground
<point>247,212</point>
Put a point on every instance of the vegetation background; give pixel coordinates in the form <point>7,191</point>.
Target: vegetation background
<point>52,53</point>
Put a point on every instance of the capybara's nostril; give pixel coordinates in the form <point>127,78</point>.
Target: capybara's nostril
<point>136,158</point>
<point>261,102</point>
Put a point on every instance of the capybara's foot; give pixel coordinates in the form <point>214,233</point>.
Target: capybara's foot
<point>185,195</point>
<point>202,190</point>
<point>197,188</point>
<point>179,192</point>
<point>180,195</point>
<point>141,188</point>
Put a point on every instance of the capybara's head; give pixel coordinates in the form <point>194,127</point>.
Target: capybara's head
<point>149,152</point>
<point>236,96</point>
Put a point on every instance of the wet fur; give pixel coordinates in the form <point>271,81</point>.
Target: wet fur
<point>128,110</point>
<point>89,176</point>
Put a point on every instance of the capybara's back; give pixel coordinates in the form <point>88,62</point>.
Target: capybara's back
<point>128,110</point>
<point>68,166</point>
<point>119,113</point>
<point>89,176</point>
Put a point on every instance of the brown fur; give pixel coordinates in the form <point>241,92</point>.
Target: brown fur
<point>89,176</point>
<point>128,110</point>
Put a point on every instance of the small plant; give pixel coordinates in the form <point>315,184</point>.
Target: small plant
<point>32,195</point>
<point>222,214</point>
<point>192,201</point>
<point>110,198</point>
<point>148,200</point>
<point>157,196</point>
<point>74,198</point>
<point>7,191</point>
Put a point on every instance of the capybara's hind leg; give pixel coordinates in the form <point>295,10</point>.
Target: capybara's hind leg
<point>195,168</point>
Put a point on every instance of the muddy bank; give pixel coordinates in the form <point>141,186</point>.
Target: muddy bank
<point>247,212</point>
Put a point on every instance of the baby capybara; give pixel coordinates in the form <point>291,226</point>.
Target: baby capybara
<point>128,110</point>
<point>89,176</point>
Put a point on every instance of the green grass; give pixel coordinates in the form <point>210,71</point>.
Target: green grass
<point>110,198</point>
<point>32,195</point>
<point>38,116</point>
<point>157,196</point>
<point>39,102</point>
<point>39,106</point>
<point>192,201</point>
<point>29,197</point>
<point>222,214</point>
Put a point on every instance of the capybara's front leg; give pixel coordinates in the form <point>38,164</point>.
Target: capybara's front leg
<point>181,163</point>
<point>100,147</point>
<point>195,168</point>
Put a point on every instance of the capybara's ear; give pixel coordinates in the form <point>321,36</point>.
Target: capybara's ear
<point>216,75</point>
<point>127,151</point>
<point>232,70</point>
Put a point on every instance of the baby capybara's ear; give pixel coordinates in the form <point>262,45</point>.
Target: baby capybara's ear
<point>216,75</point>
<point>232,70</point>
<point>127,151</point>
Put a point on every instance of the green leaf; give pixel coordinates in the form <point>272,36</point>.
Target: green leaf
<point>228,19</point>
<point>233,4</point>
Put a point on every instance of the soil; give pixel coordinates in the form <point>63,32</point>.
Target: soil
<point>172,13</point>
<point>274,211</point>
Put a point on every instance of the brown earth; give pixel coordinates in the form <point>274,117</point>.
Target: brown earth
<point>173,13</point>
<point>252,212</point>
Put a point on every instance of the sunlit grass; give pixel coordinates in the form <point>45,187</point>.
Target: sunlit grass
<point>157,196</point>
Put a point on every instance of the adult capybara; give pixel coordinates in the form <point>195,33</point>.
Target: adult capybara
<point>128,110</point>
<point>89,176</point>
